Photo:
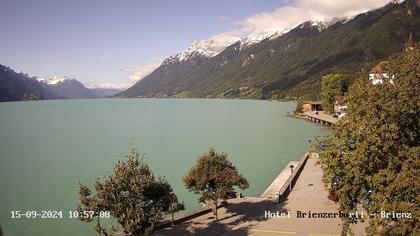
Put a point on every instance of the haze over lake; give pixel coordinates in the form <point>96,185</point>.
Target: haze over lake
<point>47,147</point>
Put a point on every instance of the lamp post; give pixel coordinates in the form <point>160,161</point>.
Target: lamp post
<point>309,142</point>
<point>291,173</point>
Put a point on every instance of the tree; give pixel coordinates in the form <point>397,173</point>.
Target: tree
<point>299,106</point>
<point>132,196</point>
<point>333,85</point>
<point>175,207</point>
<point>373,160</point>
<point>214,177</point>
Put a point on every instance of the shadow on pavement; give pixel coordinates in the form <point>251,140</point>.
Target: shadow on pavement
<point>234,219</point>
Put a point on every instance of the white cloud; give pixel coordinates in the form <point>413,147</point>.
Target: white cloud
<point>281,18</point>
<point>299,11</point>
<point>135,74</point>
<point>332,8</point>
<point>140,71</point>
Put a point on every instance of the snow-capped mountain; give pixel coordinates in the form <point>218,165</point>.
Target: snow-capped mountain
<point>214,45</point>
<point>257,37</point>
<point>54,80</point>
<point>18,86</point>
<point>206,48</point>
<point>324,24</point>
<point>67,87</point>
<point>254,67</point>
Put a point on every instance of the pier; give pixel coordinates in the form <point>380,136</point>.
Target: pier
<point>280,181</point>
<point>285,180</point>
<point>321,117</point>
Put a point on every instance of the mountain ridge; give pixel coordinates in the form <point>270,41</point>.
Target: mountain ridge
<point>289,65</point>
<point>20,86</point>
<point>70,88</point>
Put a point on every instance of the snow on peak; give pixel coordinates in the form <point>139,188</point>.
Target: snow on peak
<point>214,45</point>
<point>207,47</point>
<point>257,37</point>
<point>54,80</point>
<point>324,24</point>
<point>25,74</point>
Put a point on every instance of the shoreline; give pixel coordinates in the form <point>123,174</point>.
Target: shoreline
<point>277,114</point>
<point>157,98</point>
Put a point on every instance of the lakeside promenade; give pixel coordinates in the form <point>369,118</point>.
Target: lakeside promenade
<point>280,181</point>
<point>253,215</point>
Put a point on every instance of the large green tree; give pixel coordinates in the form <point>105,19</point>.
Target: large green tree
<point>214,177</point>
<point>132,195</point>
<point>333,85</point>
<point>373,159</point>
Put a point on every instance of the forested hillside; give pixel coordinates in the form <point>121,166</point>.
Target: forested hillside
<point>291,64</point>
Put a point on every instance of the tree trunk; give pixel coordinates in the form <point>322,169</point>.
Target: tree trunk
<point>173,219</point>
<point>215,210</point>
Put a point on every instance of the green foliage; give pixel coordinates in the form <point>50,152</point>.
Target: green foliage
<point>132,195</point>
<point>333,86</point>
<point>299,106</point>
<point>214,177</point>
<point>376,148</point>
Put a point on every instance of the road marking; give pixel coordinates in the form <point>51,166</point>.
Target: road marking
<point>273,231</point>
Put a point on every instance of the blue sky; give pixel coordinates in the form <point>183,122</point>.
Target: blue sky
<point>96,41</point>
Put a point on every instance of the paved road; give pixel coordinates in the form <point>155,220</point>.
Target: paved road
<point>247,216</point>
<point>308,196</point>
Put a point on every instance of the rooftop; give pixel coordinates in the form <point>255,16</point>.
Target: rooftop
<point>410,42</point>
<point>381,68</point>
<point>313,102</point>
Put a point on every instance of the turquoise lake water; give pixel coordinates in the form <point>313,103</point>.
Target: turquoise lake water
<point>47,147</point>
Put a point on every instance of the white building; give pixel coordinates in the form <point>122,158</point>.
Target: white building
<point>378,73</point>
<point>340,106</point>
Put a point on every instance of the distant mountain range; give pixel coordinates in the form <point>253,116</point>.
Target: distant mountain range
<point>281,64</point>
<point>104,92</point>
<point>19,87</point>
<point>68,88</point>
<point>267,65</point>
